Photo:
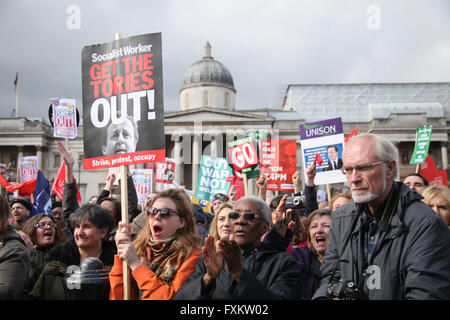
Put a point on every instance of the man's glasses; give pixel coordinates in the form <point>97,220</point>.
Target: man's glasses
<point>365,168</point>
<point>249,216</point>
<point>43,225</point>
<point>164,212</point>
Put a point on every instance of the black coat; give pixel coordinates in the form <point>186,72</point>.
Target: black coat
<point>268,275</point>
<point>411,259</point>
<point>51,284</point>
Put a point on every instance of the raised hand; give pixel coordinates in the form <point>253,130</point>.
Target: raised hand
<point>311,174</point>
<point>213,262</point>
<point>231,253</point>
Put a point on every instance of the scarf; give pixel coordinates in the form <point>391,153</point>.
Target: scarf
<point>165,258</point>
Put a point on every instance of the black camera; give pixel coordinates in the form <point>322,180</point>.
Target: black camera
<point>342,290</point>
<point>296,202</point>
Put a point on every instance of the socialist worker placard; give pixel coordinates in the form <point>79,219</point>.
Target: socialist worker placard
<point>123,110</point>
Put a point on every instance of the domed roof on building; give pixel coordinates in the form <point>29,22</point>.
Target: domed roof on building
<point>208,71</point>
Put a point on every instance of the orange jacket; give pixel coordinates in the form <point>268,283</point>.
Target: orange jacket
<point>152,288</point>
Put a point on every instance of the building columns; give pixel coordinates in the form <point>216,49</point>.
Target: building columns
<point>444,155</point>
<point>178,161</point>
<point>196,156</point>
<point>39,156</point>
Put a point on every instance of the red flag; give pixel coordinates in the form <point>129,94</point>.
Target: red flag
<point>318,159</point>
<point>3,181</point>
<point>25,188</point>
<point>430,171</point>
<point>351,134</point>
<point>58,183</point>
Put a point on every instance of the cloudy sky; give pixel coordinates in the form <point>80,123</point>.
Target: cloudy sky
<point>266,45</point>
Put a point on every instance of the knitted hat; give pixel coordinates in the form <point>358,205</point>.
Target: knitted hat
<point>23,201</point>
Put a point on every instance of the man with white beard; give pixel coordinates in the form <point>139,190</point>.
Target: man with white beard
<point>386,244</point>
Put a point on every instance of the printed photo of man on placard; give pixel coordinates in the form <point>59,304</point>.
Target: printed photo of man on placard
<point>334,161</point>
<point>121,138</point>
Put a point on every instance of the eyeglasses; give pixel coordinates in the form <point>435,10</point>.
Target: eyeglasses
<point>361,169</point>
<point>249,216</point>
<point>164,212</point>
<point>42,225</point>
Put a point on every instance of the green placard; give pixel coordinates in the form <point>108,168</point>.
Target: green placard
<point>423,137</point>
<point>212,177</point>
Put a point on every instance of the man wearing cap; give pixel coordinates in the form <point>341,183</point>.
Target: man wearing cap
<point>20,210</point>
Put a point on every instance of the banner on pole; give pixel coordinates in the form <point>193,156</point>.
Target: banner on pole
<point>165,171</point>
<point>142,179</point>
<point>123,110</point>
<point>279,163</point>
<point>423,137</point>
<point>325,138</point>
<point>28,168</point>
<point>212,177</point>
<point>64,118</point>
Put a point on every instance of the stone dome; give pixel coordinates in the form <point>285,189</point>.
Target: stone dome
<point>208,72</point>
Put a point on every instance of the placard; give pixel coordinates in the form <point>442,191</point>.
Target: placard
<point>423,137</point>
<point>327,139</point>
<point>28,168</point>
<point>279,163</point>
<point>123,110</point>
<point>165,171</point>
<point>142,179</point>
<point>212,177</point>
<point>64,118</point>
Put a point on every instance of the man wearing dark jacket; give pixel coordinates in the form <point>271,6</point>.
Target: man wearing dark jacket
<point>387,244</point>
<point>243,267</point>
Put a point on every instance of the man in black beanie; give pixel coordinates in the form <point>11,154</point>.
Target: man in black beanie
<point>20,210</point>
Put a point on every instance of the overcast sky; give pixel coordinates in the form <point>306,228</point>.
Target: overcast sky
<point>266,45</point>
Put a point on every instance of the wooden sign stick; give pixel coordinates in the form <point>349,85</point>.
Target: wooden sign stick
<point>124,209</point>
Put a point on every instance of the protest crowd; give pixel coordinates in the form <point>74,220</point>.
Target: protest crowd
<point>373,237</point>
<point>378,238</point>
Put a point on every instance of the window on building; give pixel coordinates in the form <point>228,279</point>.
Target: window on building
<point>206,99</point>
<point>405,157</point>
<point>57,160</point>
<point>186,100</point>
<point>227,99</point>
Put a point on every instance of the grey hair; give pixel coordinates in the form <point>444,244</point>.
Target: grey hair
<point>385,149</point>
<point>263,207</point>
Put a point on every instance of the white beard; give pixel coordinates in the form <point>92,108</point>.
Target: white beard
<point>368,196</point>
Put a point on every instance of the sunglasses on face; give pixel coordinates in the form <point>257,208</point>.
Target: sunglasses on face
<point>163,212</point>
<point>249,216</point>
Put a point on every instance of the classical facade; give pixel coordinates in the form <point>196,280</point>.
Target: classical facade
<point>208,119</point>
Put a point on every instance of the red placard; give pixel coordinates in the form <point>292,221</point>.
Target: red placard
<point>124,159</point>
<point>243,155</point>
<point>279,163</point>
<point>164,171</point>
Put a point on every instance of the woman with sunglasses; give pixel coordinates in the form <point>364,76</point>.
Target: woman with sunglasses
<point>164,253</point>
<point>43,234</point>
